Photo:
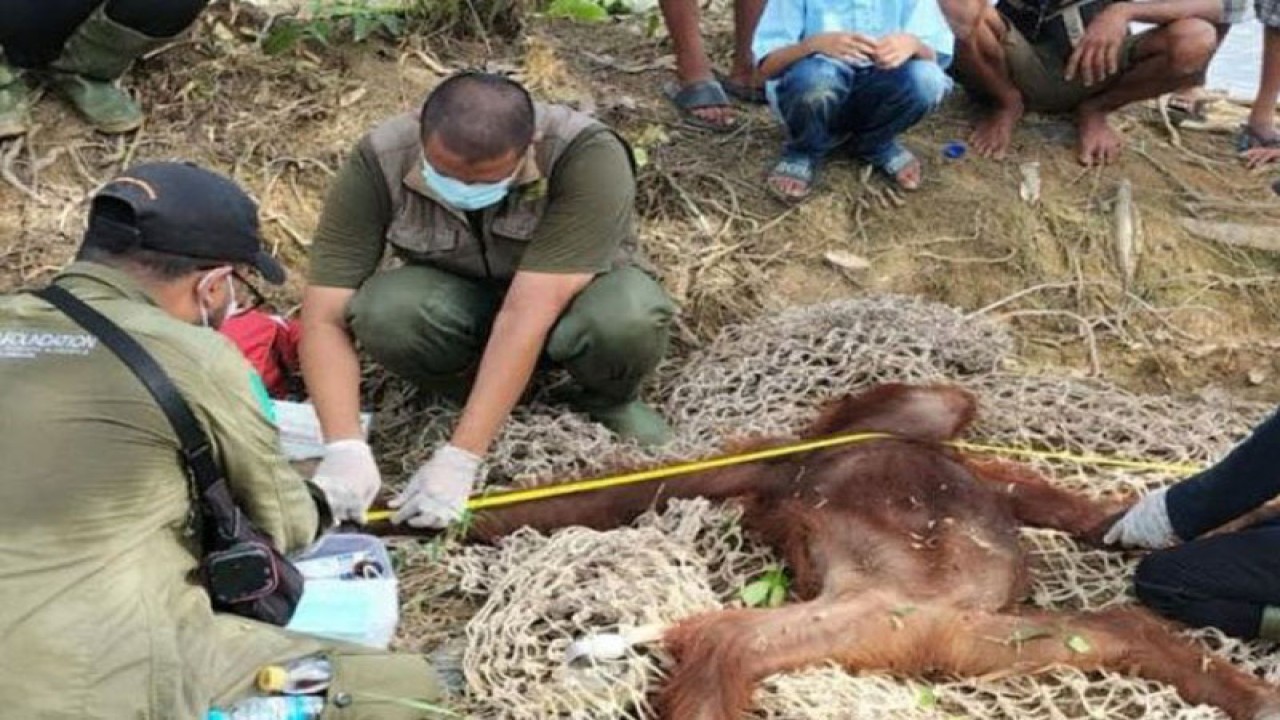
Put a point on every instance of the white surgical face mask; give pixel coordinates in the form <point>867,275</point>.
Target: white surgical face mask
<point>232,308</point>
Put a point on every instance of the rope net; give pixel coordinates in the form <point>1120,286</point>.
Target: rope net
<point>768,377</point>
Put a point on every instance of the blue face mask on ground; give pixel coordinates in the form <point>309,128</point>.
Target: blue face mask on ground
<point>461,195</point>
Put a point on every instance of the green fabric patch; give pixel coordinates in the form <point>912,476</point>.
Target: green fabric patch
<point>265,404</point>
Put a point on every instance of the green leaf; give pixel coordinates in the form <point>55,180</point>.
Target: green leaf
<point>756,593</point>
<point>777,595</point>
<point>394,25</point>
<point>902,610</point>
<point>1078,644</point>
<point>641,156</point>
<point>281,38</point>
<point>362,27</point>
<point>580,10</point>
<point>926,698</point>
<point>652,24</point>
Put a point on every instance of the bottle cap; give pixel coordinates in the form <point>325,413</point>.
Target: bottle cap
<point>216,714</point>
<point>272,679</point>
<point>954,150</point>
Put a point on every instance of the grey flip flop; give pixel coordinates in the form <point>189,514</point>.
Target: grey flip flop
<point>739,91</point>
<point>899,158</point>
<point>696,95</point>
<point>1249,139</point>
<point>793,167</point>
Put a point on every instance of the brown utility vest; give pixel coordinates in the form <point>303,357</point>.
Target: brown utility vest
<point>424,229</point>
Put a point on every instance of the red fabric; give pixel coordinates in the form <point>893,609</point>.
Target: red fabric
<point>270,343</point>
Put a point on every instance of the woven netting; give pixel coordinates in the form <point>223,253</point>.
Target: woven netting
<point>766,378</point>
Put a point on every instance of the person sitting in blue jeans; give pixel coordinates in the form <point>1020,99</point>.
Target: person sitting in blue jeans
<point>853,76</point>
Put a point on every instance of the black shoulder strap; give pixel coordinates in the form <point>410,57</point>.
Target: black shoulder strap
<point>196,449</point>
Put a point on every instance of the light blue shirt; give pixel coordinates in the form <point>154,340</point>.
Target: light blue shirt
<point>787,22</point>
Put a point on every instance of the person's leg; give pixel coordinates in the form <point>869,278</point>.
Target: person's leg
<point>610,340</point>
<point>157,18</point>
<point>104,46</point>
<point>1191,101</point>
<point>982,65</point>
<point>1262,120</point>
<point>1229,581</point>
<point>683,20</point>
<point>425,325</point>
<point>746,14</point>
<point>810,97</point>
<point>34,31</point>
<point>1164,59</point>
<point>883,105</point>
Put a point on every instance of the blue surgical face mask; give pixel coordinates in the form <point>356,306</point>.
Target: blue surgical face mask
<point>461,195</point>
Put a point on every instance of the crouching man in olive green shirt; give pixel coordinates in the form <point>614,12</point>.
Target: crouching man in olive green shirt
<point>100,616</point>
<point>513,223</point>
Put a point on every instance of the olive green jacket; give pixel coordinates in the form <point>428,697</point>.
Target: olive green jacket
<point>98,616</point>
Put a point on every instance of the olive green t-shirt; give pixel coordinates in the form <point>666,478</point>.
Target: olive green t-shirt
<point>590,201</point>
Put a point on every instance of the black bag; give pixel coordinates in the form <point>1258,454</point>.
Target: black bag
<point>239,565</point>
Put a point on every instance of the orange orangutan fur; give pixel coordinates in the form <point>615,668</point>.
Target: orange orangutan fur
<point>905,558</point>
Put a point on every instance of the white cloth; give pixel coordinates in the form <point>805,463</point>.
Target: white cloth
<point>437,493</point>
<point>1146,525</point>
<point>349,477</point>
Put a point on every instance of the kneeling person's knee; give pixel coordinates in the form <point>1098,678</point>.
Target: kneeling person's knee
<point>629,313</point>
<point>1192,43</point>
<point>927,82</point>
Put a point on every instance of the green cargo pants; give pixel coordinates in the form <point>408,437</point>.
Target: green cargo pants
<point>430,327</point>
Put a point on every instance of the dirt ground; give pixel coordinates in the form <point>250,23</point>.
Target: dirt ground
<point>1194,314</point>
<point>1191,314</point>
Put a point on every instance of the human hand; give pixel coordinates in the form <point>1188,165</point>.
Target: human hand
<point>891,51</point>
<point>1145,525</point>
<point>349,478</point>
<point>847,46</point>
<point>1097,56</point>
<point>437,493</point>
<point>1257,157</point>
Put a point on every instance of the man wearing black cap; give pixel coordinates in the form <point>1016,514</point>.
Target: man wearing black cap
<point>99,614</point>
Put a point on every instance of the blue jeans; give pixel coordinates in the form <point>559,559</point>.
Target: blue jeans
<point>826,103</point>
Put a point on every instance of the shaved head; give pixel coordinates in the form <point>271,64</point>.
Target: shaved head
<point>479,116</point>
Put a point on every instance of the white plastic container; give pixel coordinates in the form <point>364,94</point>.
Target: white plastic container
<point>351,592</point>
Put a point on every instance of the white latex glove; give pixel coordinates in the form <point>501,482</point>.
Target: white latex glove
<point>437,493</point>
<point>349,477</point>
<point>1145,525</point>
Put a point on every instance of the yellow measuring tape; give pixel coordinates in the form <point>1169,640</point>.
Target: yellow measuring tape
<point>515,497</point>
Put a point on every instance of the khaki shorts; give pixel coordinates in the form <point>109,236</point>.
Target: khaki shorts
<point>1037,72</point>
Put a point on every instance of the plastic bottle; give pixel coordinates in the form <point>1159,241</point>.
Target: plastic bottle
<point>282,707</point>
<point>310,675</point>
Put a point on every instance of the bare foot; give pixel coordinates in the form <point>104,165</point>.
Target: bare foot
<point>1264,131</point>
<point>909,177</point>
<point>722,116</point>
<point>1100,144</point>
<point>992,134</point>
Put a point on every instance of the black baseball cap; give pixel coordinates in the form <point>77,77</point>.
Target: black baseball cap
<point>181,209</point>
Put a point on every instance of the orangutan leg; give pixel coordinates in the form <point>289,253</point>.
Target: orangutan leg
<point>723,655</point>
<point>1037,503</point>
